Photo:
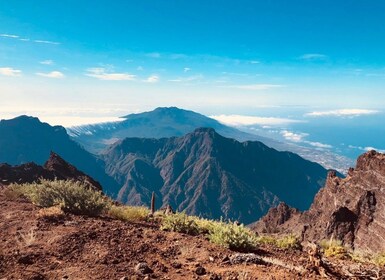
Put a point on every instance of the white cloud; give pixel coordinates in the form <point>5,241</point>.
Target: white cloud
<point>292,136</point>
<point>313,56</point>
<point>342,113</point>
<point>47,62</point>
<point>319,145</point>
<point>254,62</point>
<point>9,36</point>
<point>366,148</point>
<point>186,69</point>
<point>187,79</point>
<point>239,120</point>
<point>46,42</point>
<point>152,79</point>
<point>255,86</point>
<point>10,72</point>
<point>299,137</point>
<point>53,75</point>
<point>101,74</point>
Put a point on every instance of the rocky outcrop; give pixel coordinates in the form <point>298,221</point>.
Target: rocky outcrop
<point>54,168</point>
<point>350,209</point>
<point>207,174</point>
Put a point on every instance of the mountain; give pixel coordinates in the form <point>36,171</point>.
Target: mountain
<point>350,209</point>
<point>207,174</point>
<point>25,139</point>
<point>54,168</point>
<point>172,121</point>
<point>159,123</point>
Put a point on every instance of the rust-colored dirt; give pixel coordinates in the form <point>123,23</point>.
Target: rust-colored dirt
<point>76,247</point>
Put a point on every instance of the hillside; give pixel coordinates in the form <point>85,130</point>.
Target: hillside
<point>25,139</point>
<point>350,210</point>
<point>207,174</point>
<point>38,243</point>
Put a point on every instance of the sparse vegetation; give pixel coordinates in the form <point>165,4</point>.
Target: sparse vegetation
<point>283,242</point>
<point>232,236</point>
<point>180,222</point>
<point>129,213</point>
<point>334,248</point>
<point>379,259</point>
<point>72,197</point>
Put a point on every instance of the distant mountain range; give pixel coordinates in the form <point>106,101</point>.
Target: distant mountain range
<point>172,121</point>
<point>207,174</point>
<point>25,139</point>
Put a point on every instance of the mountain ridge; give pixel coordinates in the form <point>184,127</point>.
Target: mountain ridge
<point>206,173</point>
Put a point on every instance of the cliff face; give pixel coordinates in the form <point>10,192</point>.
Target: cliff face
<point>54,168</point>
<point>207,174</point>
<point>351,210</point>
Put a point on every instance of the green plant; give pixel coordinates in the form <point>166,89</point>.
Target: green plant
<point>334,248</point>
<point>289,242</point>
<point>379,259</point>
<point>129,213</point>
<point>16,191</point>
<point>232,236</point>
<point>180,222</point>
<point>71,196</point>
<point>266,240</point>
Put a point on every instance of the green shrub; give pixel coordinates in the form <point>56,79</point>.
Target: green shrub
<point>379,259</point>
<point>334,248</point>
<point>16,191</point>
<point>129,213</point>
<point>72,196</point>
<point>289,242</point>
<point>180,222</point>
<point>266,240</point>
<point>232,236</point>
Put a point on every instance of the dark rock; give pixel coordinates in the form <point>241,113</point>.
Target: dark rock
<point>239,258</point>
<point>143,268</point>
<point>200,270</point>
<point>349,209</point>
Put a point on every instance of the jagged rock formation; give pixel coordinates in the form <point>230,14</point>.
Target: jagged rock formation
<point>25,139</point>
<point>351,209</point>
<point>54,168</point>
<point>207,174</point>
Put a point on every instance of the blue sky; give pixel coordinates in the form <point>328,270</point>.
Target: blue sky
<point>72,62</point>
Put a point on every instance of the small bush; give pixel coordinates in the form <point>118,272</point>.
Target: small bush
<point>72,197</point>
<point>129,213</point>
<point>180,222</point>
<point>15,191</point>
<point>266,240</point>
<point>289,242</point>
<point>234,237</point>
<point>334,248</point>
<point>379,259</point>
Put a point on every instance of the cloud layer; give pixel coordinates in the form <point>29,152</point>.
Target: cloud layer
<point>342,113</point>
<point>53,75</point>
<point>239,120</point>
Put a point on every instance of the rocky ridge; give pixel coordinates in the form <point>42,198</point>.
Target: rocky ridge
<point>54,168</point>
<point>349,209</point>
